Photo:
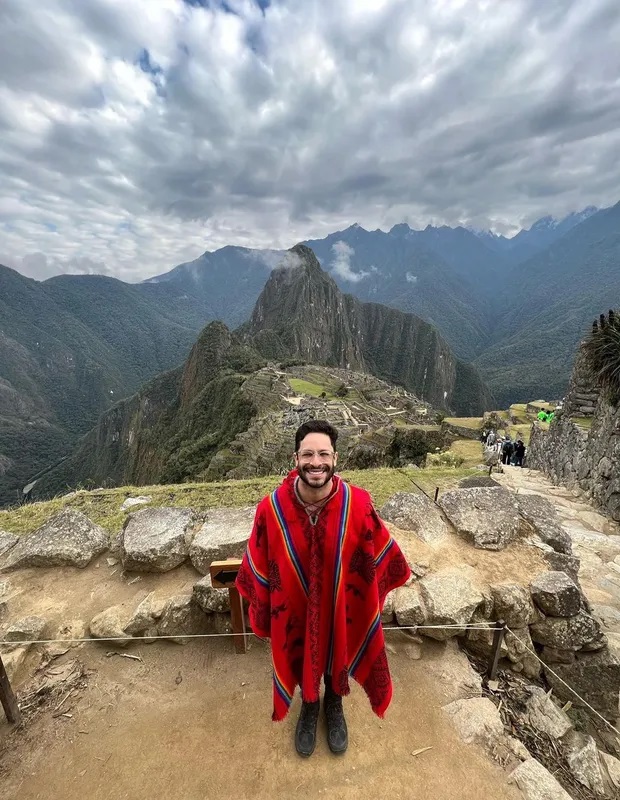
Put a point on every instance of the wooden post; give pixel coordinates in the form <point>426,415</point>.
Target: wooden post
<point>8,699</point>
<point>498,638</point>
<point>223,575</point>
<point>436,493</point>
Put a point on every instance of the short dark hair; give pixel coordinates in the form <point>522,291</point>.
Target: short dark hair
<point>315,426</point>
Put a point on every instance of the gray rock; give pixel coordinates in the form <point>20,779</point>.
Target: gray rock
<point>519,647</point>
<point>556,594</point>
<point>210,599</point>
<point>478,721</point>
<point>182,617</point>
<point>561,562</point>
<point>223,535</point>
<point>387,615</point>
<point>594,676</point>
<point>7,540</point>
<point>566,633</point>
<point>146,615</point>
<point>408,606</point>
<point>415,513</point>
<point>69,538</point>
<point>536,782</point>
<point>110,624</point>
<point>26,629</point>
<point>513,604</point>
<point>453,674</point>
<point>488,518</point>
<point>157,539</point>
<point>131,502</point>
<point>449,599</point>
<point>553,655</point>
<point>608,616</point>
<point>586,764</point>
<point>541,515</point>
<point>612,765</point>
<point>543,714</point>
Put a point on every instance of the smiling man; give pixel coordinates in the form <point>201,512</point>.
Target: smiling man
<point>316,572</point>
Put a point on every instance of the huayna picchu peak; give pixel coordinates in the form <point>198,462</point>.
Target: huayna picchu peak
<point>227,412</point>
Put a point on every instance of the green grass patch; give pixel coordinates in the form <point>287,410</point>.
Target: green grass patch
<point>102,506</point>
<point>583,422</point>
<point>301,386</point>
<point>521,431</point>
<point>475,423</point>
<point>469,450</point>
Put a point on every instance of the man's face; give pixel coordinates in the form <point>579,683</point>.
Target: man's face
<point>316,460</point>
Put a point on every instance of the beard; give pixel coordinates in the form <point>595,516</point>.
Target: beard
<point>316,481</point>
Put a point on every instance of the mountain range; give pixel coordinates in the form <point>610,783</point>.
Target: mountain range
<point>181,425</point>
<point>71,346</point>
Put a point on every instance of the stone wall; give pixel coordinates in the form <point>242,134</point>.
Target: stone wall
<point>579,457</point>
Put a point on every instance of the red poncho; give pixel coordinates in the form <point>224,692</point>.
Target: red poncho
<point>318,591</point>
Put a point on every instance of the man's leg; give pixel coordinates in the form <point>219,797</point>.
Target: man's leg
<point>337,734</point>
<point>305,732</point>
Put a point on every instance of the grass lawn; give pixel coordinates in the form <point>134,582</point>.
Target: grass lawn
<point>102,506</point>
<point>306,387</point>
<point>468,449</point>
<point>583,422</point>
<point>465,422</point>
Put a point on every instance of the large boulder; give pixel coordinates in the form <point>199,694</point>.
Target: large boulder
<point>450,599</point>
<point>69,538</point>
<point>415,513</point>
<point>157,539</point>
<point>556,594</point>
<point>408,606</point>
<point>594,676</point>
<point>586,764</point>
<point>182,617</point>
<point>544,716</point>
<point>512,604</point>
<point>478,721</point>
<point>488,518</point>
<point>110,624</point>
<point>223,535</point>
<point>27,629</point>
<point>7,541</point>
<point>567,633</point>
<point>453,674</point>
<point>541,515</point>
<point>537,783</point>
<point>210,599</point>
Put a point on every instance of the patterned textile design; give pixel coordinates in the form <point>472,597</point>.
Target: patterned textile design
<point>318,590</point>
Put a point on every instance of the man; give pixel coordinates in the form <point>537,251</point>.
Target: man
<point>519,453</point>
<point>316,571</point>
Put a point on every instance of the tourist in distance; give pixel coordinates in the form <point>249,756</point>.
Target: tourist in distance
<point>317,569</point>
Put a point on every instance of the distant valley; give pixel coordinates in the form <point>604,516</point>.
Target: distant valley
<point>72,346</point>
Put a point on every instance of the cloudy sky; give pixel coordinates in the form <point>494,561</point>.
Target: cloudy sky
<point>135,134</point>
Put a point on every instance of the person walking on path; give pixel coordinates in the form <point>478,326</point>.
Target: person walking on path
<point>317,569</point>
<point>519,453</point>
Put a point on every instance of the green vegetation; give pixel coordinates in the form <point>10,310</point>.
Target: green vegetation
<point>103,505</point>
<point>307,387</point>
<point>475,423</point>
<point>583,422</point>
<point>603,352</point>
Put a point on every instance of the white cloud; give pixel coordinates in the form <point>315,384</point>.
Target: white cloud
<point>138,134</point>
<point>341,264</point>
<point>411,278</point>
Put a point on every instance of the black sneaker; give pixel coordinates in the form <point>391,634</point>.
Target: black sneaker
<point>305,732</point>
<point>337,735</point>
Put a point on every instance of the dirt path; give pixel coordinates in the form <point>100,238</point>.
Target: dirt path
<point>193,722</point>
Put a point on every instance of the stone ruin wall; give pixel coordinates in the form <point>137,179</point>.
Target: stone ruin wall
<point>579,457</point>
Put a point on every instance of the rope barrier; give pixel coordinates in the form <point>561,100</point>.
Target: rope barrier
<point>94,640</point>
<point>562,681</point>
<point>480,627</point>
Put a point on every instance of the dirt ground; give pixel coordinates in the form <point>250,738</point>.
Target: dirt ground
<point>193,721</point>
